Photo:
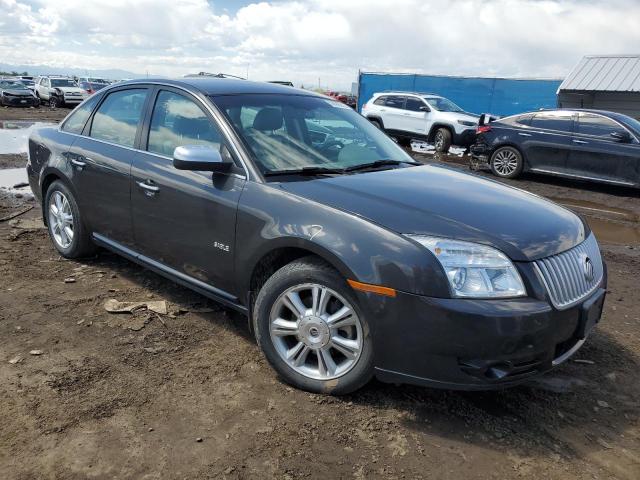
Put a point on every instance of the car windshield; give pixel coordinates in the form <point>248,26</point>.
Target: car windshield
<point>12,85</point>
<point>443,104</point>
<point>295,132</point>
<point>62,83</point>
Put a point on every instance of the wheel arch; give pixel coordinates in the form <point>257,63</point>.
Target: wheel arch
<point>280,252</point>
<point>49,176</point>
<point>377,118</point>
<point>525,162</point>
<point>438,125</point>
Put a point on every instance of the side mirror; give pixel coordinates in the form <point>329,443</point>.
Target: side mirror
<point>200,158</point>
<point>621,136</point>
<point>424,108</point>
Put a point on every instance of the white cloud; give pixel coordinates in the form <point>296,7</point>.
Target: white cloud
<point>331,39</point>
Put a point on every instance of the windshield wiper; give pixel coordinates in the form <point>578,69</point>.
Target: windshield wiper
<point>378,164</point>
<point>304,171</point>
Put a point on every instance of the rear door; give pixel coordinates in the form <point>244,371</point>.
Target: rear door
<point>102,159</point>
<point>414,118</point>
<point>597,154</point>
<point>547,142</point>
<point>184,219</point>
<point>392,112</point>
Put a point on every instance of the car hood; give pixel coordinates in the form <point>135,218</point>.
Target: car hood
<point>454,116</point>
<point>441,201</point>
<point>70,89</point>
<point>11,91</point>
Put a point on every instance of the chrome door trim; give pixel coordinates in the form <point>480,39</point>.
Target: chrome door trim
<point>206,289</point>
<point>583,177</point>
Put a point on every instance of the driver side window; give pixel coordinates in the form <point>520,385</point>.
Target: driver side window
<point>178,121</point>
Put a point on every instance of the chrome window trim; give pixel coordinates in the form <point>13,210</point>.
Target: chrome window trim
<point>215,113</point>
<point>584,177</point>
<point>595,137</point>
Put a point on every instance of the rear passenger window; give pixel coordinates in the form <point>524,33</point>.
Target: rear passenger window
<point>77,120</point>
<point>394,101</point>
<point>414,104</point>
<point>179,121</point>
<point>558,121</point>
<point>590,124</point>
<point>118,117</point>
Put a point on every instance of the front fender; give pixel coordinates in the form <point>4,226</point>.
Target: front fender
<point>270,218</point>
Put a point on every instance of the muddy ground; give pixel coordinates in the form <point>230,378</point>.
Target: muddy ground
<point>188,394</point>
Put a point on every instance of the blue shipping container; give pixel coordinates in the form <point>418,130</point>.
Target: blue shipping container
<point>499,96</point>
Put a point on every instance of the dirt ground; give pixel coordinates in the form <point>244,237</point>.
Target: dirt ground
<point>189,395</point>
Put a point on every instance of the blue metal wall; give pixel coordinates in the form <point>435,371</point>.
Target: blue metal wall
<point>499,96</point>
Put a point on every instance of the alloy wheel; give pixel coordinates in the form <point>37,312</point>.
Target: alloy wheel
<point>439,140</point>
<point>316,331</point>
<point>505,162</point>
<point>61,219</point>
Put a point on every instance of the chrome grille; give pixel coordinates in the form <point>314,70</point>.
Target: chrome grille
<point>566,275</point>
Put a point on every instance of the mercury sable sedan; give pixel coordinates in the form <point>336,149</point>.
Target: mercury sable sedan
<point>348,258</point>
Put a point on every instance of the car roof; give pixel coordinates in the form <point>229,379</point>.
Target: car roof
<point>417,94</point>
<point>224,86</point>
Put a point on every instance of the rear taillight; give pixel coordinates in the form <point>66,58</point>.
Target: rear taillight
<point>483,129</point>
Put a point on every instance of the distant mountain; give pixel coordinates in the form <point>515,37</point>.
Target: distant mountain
<point>113,74</point>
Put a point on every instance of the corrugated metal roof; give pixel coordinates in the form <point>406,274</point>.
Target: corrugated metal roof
<point>608,73</point>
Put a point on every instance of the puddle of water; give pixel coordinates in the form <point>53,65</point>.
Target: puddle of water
<point>614,233</point>
<point>13,176</point>
<point>14,135</point>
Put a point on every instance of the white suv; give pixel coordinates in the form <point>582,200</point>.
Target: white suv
<point>422,116</point>
<point>58,91</point>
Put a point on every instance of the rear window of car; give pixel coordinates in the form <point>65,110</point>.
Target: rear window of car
<point>597,125</point>
<point>380,100</point>
<point>516,121</point>
<point>394,101</point>
<point>77,120</point>
<point>557,121</point>
<point>118,117</point>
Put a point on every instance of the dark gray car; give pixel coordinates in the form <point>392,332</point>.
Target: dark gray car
<point>349,259</point>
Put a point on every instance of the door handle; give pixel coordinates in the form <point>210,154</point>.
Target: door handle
<point>149,190</point>
<point>581,142</point>
<point>78,163</point>
<point>524,134</point>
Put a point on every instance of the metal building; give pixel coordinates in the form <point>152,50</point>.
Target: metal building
<point>605,82</point>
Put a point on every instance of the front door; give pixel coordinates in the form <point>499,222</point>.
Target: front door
<point>102,158</point>
<point>547,143</point>
<point>597,154</point>
<point>184,219</point>
<point>415,117</point>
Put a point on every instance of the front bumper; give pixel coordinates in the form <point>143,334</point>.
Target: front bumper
<point>19,101</point>
<point>475,344</point>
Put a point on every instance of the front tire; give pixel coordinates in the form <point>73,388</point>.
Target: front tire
<point>54,102</point>
<point>506,162</point>
<point>65,224</point>
<point>442,140</point>
<point>311,329</point>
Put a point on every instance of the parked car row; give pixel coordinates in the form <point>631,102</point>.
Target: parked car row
<point>54,90</point>
<point>584,144</point>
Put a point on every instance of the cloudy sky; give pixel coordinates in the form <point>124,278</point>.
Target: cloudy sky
<point>327,39</point>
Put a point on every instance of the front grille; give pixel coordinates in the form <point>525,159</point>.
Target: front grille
<point>566,275</point>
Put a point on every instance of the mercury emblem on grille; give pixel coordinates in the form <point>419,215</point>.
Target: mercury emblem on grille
<point>587,268</point>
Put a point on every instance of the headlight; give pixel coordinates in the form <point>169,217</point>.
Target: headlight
<point>474,270</point>
<point>467,123</point>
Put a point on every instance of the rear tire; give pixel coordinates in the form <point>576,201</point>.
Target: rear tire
<point>65,224</point>
<point>506,162</point>
<point>54,102</point>
<point>442,140</point>
<point>301,338</point>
